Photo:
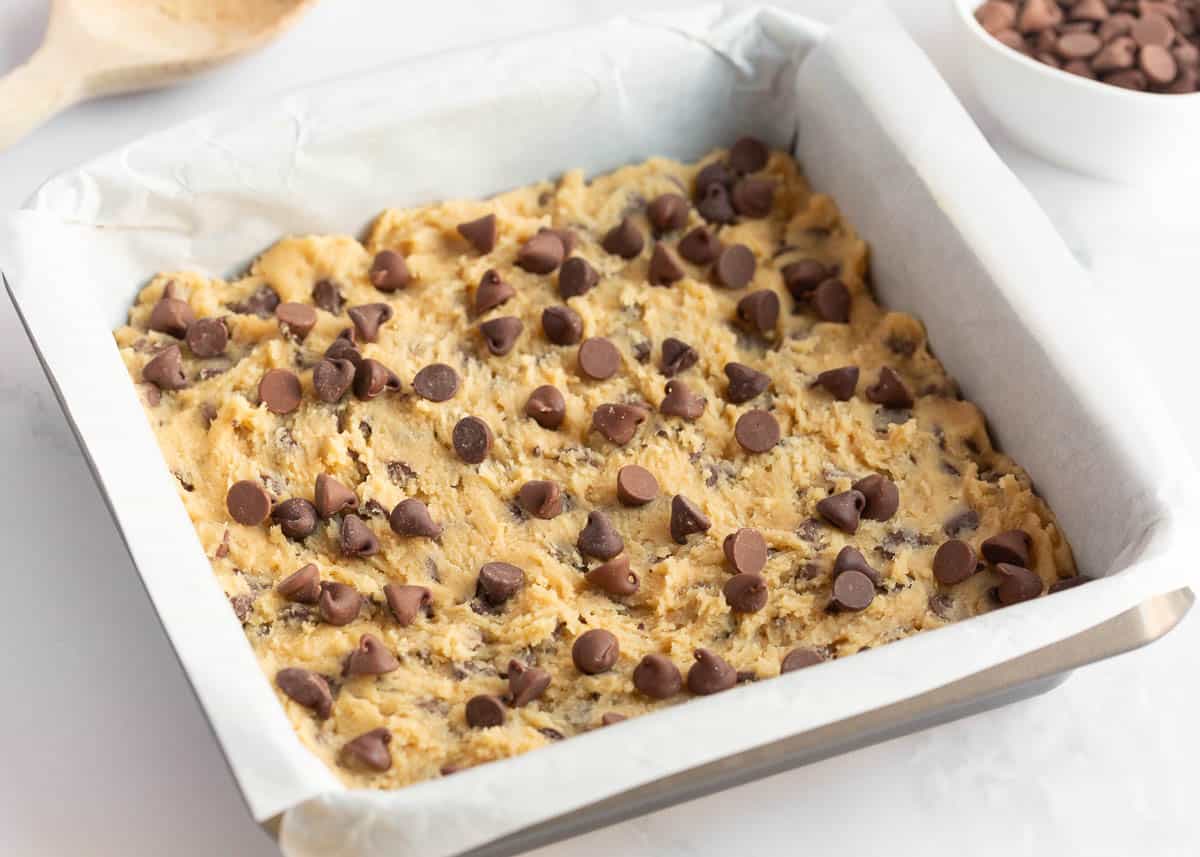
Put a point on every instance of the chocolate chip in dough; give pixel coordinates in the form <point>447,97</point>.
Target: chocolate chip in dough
<point>577,277</point>
<point>596,651</point>
<point>389,271</point>
<point>853,591</point>
<point>753,197</point>
<point>280,391</point>
<point>663,269</point>
<point>165,370</point>
<point>954,562</point>
<point>883,497</point>
<point>546,407</point>
<point>484,711</point>
<point>498,582</point>
<point>657,677</point>
<point>716,173</point>
<point>369,750</point>
<point>757,431</point>
<point>541,499</point>
<point>636,486</point>
<point>680,401</point>
<point>710,674</point>
<point>748,155</point>
<point>372,379</point>
<point>624,239</point>
<point>411,517</point>
<point>338,603</point>
<point>599,538</point>
<point>525,683</point>
<point>343,348</point>
<point>472,439</point>
<point>480,233</point>
<point>889,390</point>
<point>609,718</point>
<point>735,266</point>
<point>1010,546</point>
<point>406,601</point>
<point>745,593</point>
<point>207,337</point>
<point>614,577</point>
<point>356,538</point>
<point>831,301</point>
<point>1017,584</point>
<point>261,303</point>
<point>331,497</point>
<point>700,246</point>
<point>172,317</point>
<point>843,510</point>
<point>850,558</point>
<point>744,383</point>
<point>746,550</point>
<point>492,292</point>
<point>715,206</point>
<point>296,318</point>
<point>332,379</point>
<point>306,688</point>
<point>798,659</point>
<point>302,587</point>
<point>368,318</point>
<point>677,356</point>
<point>297,517</point>
<point>248,503</point>
<point>598,359</point>
<point>327,296</point>
<point>839,383</point>
<point>542,253</point>
<point>686,519</point>
<point>501,334</point>
<point>667,213</point>
<point>562,325</point>
<point>758,312</point>
<point>617,422</point>
<point>803,276</point>
<point>437,382</point>
<point>370,657</point>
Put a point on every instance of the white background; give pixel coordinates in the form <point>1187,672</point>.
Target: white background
<point>105,752</point>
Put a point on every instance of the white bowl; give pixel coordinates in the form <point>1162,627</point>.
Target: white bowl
<point>1081,124</point>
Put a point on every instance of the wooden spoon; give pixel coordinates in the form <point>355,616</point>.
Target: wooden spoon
<point>102,47</point>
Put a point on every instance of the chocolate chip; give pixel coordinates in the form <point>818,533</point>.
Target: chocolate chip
<point>611,717</point>
<point>356,537</point>
<point>1069,583</point>
<point>297,518</point>
<point>667,213</point>
<point>798,659</point>
<point>165,370</point>
<point>541,499</point>
<point>207,337</point>
<point>1152,30</point>
<point>484,711</point>
<point>617,422</point>
<point>677,356</point>
<point>307,689</point>
<point>472,439</point>
<point>758,312</point>
<point>492,292</point>
<point>598,359</point>
<point>680,401</point>
<point>411,518</point>
<point>280,391</point>
<point>700,246</point>
<point>525,684</point>
<point>542,253</point>
<point>716,173</point>
<point>757,431</point>
<point>853,591</point>
<point>624,239</point>
<point>744,383</point>
<point>327,296</point>
<point>498,582</point>
<point>562,325</point>
<point>389,271</point>
<point>407,601</point>
<point>746,550</point>
<point>710,674</point>
<point>595,651</point>
<point>370,657</point>
<point>753,197</point>
<point>657,677</point>
<point>1128,79</point>
<point>296,319</point>
<point>437,382</point>
<point>803,276</point>
<point>745,593</point>
<point>1038,15</point>
<point>954,562</point>
<point>967,520</point>
<point>1010,546</point>
<point>714,205</point>
<point>338,603</point>
<point>883,497</point>
<point>839,383</point>
<point>369,750</point>
<point>262,303</point>
<point>831,301</point>
<point>546,407</point>
<point>343,348</point>
<point>664,269</point>
<point>843,510</point>
<point>372,379</point>
<point>480,233</point>
<point>1017,584</point>
<point>577,277</point>
<point>368,318</point>
<point>303,586</point>
<point>171,316</point>
<point>331,497</point>
<point>248,503</point>
<point>748,155</point>
<point>599,538</point>
<point>735,267</point>
<point>1157,63</point>
<point>614,577</point>
<point>850,558</point>
<point>686,519</point>
<point>636,486</point>
<point>890,391</point>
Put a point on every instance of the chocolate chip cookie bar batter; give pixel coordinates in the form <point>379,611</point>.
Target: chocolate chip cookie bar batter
<point>512,470</point>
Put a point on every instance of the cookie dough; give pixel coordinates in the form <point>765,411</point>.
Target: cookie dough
<point>511,470</point>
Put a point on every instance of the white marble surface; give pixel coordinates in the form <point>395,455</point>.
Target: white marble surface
<point>105,752</point>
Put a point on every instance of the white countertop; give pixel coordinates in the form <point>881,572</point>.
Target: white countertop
<point>107,753</point>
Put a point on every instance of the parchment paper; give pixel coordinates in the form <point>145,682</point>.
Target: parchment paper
<point>955,239</point>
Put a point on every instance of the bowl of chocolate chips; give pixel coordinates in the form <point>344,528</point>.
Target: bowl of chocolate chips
<point>1110,88</point>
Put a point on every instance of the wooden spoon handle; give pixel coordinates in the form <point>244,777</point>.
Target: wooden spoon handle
<point>34,92</point>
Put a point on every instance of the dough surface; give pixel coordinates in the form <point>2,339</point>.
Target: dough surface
<point>215,432</point>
